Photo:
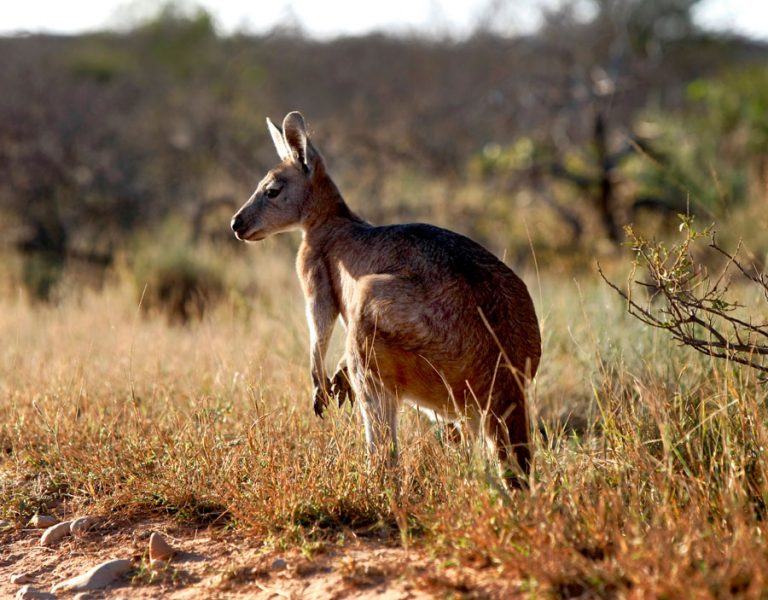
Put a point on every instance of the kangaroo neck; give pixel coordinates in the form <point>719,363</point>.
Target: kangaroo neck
<point>327,213</point>
<point>325,246</point>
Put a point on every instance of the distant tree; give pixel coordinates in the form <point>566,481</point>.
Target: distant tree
<point>650,21</point>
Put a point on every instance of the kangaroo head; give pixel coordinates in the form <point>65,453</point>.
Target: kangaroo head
<point>283,199</point>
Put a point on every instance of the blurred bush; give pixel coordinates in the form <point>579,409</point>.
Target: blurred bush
<point>712,154</point>
<point>41,274</point>
<point>173,276</point>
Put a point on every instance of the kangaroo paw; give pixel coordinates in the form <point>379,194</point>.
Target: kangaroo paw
<point>320,401</point>
<point>341,388</point>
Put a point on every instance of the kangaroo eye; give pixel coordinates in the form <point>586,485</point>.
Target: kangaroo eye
<point>273,192</point>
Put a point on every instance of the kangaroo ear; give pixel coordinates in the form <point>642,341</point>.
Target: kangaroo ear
<point>283,151</point>
<point>295,134</point>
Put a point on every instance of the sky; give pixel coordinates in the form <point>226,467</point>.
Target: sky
<point>333,17</point>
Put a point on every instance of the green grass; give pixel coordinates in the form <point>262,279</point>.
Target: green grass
<point>661,491</point>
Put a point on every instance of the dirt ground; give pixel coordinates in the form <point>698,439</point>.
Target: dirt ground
<point>211,563</point>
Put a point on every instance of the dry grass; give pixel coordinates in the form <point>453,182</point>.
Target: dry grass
<point>663,493</point>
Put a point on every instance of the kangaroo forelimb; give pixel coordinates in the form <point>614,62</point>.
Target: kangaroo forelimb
<point>341,389</point>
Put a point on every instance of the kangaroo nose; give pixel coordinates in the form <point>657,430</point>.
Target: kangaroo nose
<point>237,223</point>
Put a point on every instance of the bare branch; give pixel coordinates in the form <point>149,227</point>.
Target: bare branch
<point>695,308</point>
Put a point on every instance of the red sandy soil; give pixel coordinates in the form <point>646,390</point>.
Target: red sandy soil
<point>211,563</point>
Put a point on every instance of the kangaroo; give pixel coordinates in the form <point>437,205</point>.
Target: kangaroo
<point>431,317</point>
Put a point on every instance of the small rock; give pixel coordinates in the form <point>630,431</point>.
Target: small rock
<point>54,533</point>
<point>159,549</point>
<point>42,521</point>
<point>279,564</point>
<point>82,524</point>
<point>5,525</point>
<point>158,564</point>
<point>98,577</point>
<point>30,593</point>
<point>19,578</point>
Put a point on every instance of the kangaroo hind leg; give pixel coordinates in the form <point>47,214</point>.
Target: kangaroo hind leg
<point>379,408</point>
<point>507,433</point>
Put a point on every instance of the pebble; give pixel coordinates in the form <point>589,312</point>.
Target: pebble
<point>54,533</point>
<point>159,549</point>
<point>5,525</point>
<point>42,521</point>
<point>30,593</point>
<point>279,564</point>
<point>82,524</point>
<point>19,578</point>
<point>98,577</point>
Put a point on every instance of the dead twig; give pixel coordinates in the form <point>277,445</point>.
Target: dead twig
<point>693,306</point>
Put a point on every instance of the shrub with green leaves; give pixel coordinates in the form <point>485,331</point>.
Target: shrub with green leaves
<point>696,306</point>
<point>707,154</point>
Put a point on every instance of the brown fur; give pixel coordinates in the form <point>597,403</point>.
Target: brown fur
<point>431,316</point>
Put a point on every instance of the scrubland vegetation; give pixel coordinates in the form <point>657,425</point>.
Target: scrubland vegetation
<point>149,365</point>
